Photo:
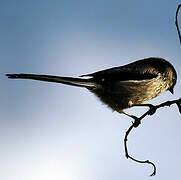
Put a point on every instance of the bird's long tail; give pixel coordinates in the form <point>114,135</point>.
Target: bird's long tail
<point>88,83</point>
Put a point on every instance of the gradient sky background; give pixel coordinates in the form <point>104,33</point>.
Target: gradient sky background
<point>51,131</point>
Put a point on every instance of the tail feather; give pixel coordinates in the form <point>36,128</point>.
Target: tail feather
<point>64,80</point>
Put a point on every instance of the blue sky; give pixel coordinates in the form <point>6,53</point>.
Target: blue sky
<point>53,131</point>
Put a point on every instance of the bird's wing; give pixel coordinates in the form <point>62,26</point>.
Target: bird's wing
<point>123,73</point>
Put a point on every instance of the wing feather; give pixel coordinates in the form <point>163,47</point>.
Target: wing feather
<point>123,74</point>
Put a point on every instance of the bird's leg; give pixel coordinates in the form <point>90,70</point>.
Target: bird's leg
<point>136,122</point>
<point>152,108</point>
<point>129,115</point>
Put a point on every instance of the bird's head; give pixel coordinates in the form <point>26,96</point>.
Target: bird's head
<point>172,76</point>
<point>166,69</point>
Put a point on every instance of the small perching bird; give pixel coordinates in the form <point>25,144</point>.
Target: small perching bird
<point>124,86</point>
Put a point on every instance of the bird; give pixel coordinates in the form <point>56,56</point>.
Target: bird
<point>124,86</point>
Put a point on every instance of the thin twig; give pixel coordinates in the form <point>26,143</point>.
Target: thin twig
<point>130,157</point>
<point>137,122</point>
<point>176,22</point>
<point>179,106</point>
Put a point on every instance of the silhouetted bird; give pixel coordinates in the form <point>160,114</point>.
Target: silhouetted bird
<point>124,86</point>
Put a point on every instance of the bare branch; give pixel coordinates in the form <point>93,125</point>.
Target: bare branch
<point>179,106</point>
<point>130,157</point>
<point>137,121</point>
<point>176,22</point>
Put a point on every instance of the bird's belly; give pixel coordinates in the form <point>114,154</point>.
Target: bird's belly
<point>124,94</point>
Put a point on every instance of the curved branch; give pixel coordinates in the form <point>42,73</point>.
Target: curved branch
<point>137,121</point>
<point>176,22</point>
<point>130,157</point>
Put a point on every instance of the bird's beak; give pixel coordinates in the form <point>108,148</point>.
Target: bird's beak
<point>171,90</point>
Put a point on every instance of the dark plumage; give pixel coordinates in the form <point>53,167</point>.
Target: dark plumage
<point>124,86</point>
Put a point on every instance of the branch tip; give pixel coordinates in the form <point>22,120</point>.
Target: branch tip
<point>176,22</point>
